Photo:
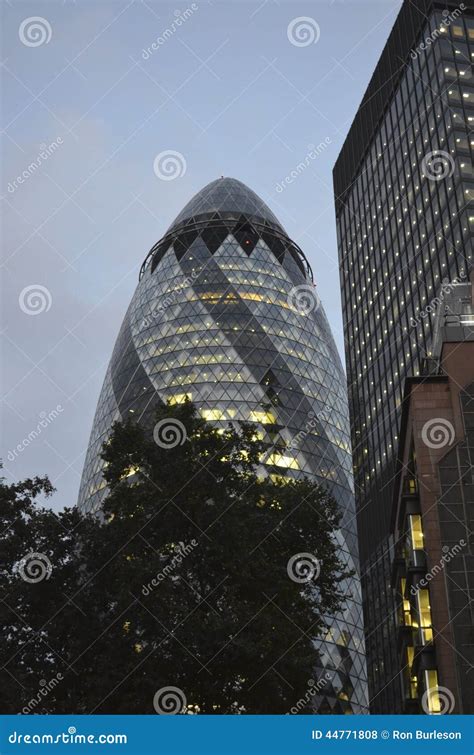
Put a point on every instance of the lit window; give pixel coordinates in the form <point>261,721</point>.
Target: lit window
<point>130,472</point>
<point>432,691</point>
<point>416,532</point>
<point>278,460</point>
<point>212,414</point>
<point>179,398</point>
<point>458,31</point>
<point>266,418</point>
<point>424,612</point>
<point>411,485</point>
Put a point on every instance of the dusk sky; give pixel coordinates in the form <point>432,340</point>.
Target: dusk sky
<point>241,89</point>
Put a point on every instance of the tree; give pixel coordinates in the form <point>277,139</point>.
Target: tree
<point>38,572</point>
<point>201,575</point>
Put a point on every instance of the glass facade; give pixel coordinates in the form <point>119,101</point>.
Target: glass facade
<point>225,313</point>
<point>405,227</point>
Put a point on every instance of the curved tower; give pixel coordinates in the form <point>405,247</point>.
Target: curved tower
<point>226,313</point>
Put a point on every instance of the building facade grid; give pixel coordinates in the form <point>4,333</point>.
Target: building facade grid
<point>405,227</point>
<point>225,314</point>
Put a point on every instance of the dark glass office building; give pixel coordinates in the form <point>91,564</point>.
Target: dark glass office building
<point>226,314</point>
<point>404,185</point>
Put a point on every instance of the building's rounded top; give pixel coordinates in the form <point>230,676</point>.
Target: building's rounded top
<point>226,195</point>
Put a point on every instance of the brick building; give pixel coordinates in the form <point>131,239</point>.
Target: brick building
<point>433,514</point>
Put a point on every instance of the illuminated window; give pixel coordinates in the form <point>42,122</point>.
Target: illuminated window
<point>432,689</point>
<point>129,472</point>
<point>416,532</point>
<point>212,414</point>
<point>424,613</point>
<point>278,460</point>
<point>411,485</point>
<point>266,418</point>
<point>179,398</point>
<point>458,31</point>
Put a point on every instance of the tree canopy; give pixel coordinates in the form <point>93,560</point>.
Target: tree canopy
<point>201,586</point>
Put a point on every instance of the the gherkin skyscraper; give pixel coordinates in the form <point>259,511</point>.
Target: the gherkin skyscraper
<point>226,313</point>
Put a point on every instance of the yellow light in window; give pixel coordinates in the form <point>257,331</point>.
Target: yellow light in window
<point>416,532</point>
<point>212,414</point>
<point>424,612</point>
<point>428,635</point>
<point>130,472</point>
<point>279,460</point>
<point>208,296</point>
<point>266,418</point>
<point>432,691</point>
<point>412,486</point>
<point>179,398</point>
